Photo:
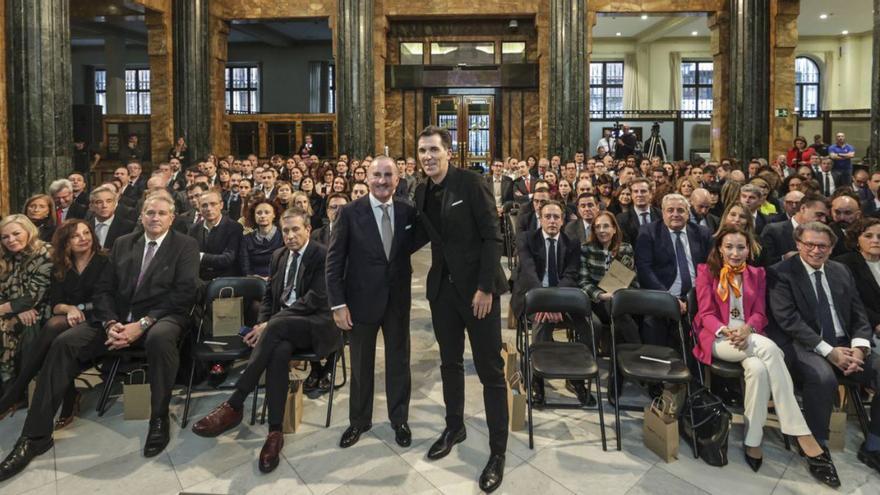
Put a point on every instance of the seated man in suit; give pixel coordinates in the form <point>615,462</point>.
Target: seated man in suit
<point>232,197</point>
<point>219,238</point>
<point>818,320</point>
<point>527,218</point>
<point>501,186</point>
<point>128,194</point>
<point>845,211</point>
<point>335,202</point>
<point>79,188</point>
<point>107,224</point>
<point>667,254</point>
<point>549,258</point>
<point>524,184</point>
<point>777,240</point>
<point>142,300</point>
<point>641,212</point>
<point>700,206</point>
<point>871,207</point>
<point>578,230</point>
<point>294,316</point>
<point>752,197</point>
<point>61,191</point>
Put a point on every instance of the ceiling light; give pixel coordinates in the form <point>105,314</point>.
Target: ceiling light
<point>823,16</point>
<point>644,16</point>
<point>694,33</point>
<point>617,33</point>
<point>844,32</point>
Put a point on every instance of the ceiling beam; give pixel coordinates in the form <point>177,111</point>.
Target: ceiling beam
<point>101,29</point>
<point>662,28</point>
<point>264,33</point>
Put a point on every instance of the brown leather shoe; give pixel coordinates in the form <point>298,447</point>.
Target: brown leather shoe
<point>222,418</point>
<point>270,452</point>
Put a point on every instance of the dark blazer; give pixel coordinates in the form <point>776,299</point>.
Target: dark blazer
<point>76,210</point>
<point>130,196</point>
<point>119,227</point>
<point>712,221</point>
<point>655,255</point>
<point>629,223</point>
<point>519,185</point>
<point>219,248</point>
<point>836,180</point>
<point>532,252</point>
<point>576,231</point>
<point>866,285</point>
<point>255,255</point>
<point>168,288</point>
<point>321,235</point>
<point>311,296</point>
<point>232,205</point>
<point>467,243</point>
<point>506,188</point>
<point>761,221</point>
<point>358,273</point>
<point>870,208</point>
<point>793,303</point>
<point>526,219</point>
<point>128,212</point>
<point>83,198</point>
<point>776,240</point>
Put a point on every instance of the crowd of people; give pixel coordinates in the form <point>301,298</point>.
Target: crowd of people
<point>783,256</point>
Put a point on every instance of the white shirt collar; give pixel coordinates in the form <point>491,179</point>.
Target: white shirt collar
<point>158,240</point>
<point>105,222</point>
<point>546,236</point>
<point>205,223</point>
<point>810,269</point>
<point>302,250</point>
<point>375,203</point>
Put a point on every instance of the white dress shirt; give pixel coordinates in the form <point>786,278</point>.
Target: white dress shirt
<point>545,282</point>
<point>377,212</point>
<point>102,228</point>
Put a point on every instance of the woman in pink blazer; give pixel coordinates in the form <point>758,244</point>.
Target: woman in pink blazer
<point>729,325</point>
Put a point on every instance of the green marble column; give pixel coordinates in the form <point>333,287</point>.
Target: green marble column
<point>192,96</point>
<point>354,77</point>
<point>749,121</point>
<point>875,91</point>
<point>568,106</point>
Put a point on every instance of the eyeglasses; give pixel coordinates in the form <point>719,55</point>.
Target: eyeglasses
<point>815,247</point>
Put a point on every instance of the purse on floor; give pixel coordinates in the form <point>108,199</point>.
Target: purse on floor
<point>705,417</point>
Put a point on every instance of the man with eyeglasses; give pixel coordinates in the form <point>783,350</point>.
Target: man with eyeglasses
<point>335,201</point>
<point>527,219</point>
<point>820,324</point>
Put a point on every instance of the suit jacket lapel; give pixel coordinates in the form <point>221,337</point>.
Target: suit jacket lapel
<point>807,288</point>
<point>399,228</point>
<point>540,247</point>
<point>302,268</point>
<point>838,298</point>
<point>366,212</point>
<point>135,259</point>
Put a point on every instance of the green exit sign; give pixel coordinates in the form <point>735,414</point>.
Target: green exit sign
<point>782,112</point>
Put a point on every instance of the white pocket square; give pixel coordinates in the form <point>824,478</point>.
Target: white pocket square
<point>460,201</point>
<point>408,227</point>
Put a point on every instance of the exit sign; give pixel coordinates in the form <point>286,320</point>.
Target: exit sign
<point>782,112</point>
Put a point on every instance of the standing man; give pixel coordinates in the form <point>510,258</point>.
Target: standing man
<point>842,153</point>
<point>372,241</point>
<point>463,289</point>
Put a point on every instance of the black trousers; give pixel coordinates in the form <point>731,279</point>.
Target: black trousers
<point>625,327</point>
<point>85,342</point>
<point>451,316</point>
<point>818,378</point>
<point>283,335</point>
<point>395,333</point>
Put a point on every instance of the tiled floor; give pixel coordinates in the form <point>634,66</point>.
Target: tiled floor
<point>102,455</point>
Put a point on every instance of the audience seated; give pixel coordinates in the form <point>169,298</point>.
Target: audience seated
<point>641,212</point>
<point>579,229</point>
<point>218,237</point>
<point>528,218</point>
<point>258,245</point>
<point>39,210</point>
<point>845,209</point>
<point>61,191</point>
<point>700,206</point>
<point>752,197</point>
<point>334,202</point>
<point>778,240</point>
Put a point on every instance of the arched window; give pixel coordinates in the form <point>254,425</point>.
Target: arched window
<point>806,87</point>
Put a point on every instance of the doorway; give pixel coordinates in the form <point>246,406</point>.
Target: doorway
<point>471,123</point>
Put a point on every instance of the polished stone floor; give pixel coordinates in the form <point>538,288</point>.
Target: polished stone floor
<point>103,455</point>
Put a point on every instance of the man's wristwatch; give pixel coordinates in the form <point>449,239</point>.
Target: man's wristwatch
<point>145,323</point>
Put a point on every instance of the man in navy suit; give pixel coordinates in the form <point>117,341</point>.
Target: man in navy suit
<point>369,285</point>
<point>667,255</point>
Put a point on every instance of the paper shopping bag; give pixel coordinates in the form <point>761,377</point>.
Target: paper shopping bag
<point>136,396</point>
<point>511,360</point>
<point>293,408</point>
<point>660,431</point>
<point>227,313</point>
<point>516,403</point>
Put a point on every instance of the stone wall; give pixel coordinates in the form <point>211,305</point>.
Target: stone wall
<point>159,43</point>
<point>783,42</point>
<point>4,127</point>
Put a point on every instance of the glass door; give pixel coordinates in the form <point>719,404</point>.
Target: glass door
<point>445,114</point>
<point>470,120</point>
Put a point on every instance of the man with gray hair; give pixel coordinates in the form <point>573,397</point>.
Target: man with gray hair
<point>752,197</point>
<point>61,191</point>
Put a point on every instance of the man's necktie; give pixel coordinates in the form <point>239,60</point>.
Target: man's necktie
<point>148,258</point>
<point>823,310</point>
<point>59,216</point>
<point>683,268</point>
<point>645,219</point>
<point>101,233</point>
<point>290,277</point>
<point>387,233</point>
<point>552,273</point>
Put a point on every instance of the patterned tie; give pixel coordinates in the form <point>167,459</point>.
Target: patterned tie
<point>552,271</point>
<point>823,310</point>
<point>151,251</point>
<point>101,233</point>
<point>683,268</point>
<point>387,233</point>
<point>645,219</point>
<point>59,216</point>
<point>290,277</point>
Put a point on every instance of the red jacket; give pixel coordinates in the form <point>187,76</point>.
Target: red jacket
<point>712,313</point>
<point>803,159</point>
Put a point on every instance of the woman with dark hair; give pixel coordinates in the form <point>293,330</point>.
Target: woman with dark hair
<point>729,325</point>
<point>604,191</point>
<point>799,153</point>
<point>863,237</point>
<point>25,268</point>
<point>793,182</point>
<point>605,246</point>
<point>621,200</point>
<point>325,187</point>
<point>307,186</point>
<point>257,246</point>
<point>284,196</point>
<point>179,151</point>
<point>40,210</point>
<point>340,185</point>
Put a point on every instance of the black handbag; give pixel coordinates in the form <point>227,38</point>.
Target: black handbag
<point>705,416</point>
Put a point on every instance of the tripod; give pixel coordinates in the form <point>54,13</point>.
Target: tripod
<point>655,145</point>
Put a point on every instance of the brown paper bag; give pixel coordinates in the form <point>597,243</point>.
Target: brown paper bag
<point>226,313</point>
<point>511,360</point>
<point>293,409</point>
<point>516,402</point>
<point>837,433</point>
<point>660,432</point>
<point>136,396</point>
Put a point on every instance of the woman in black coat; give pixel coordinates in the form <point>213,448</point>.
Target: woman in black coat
<point>863,237</point>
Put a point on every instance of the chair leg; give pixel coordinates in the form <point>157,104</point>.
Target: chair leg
<point>861,413</point>
<point>529,403</point>
<point>601,413</point>
<point>254,405</point>
<point>189,385</point>
<point>694,431</point>
<point>334,359</point>
<point>263,411</point>
<point>105,394</point>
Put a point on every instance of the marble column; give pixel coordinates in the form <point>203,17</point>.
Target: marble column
<point>159,43</point>
<point>719,26</point>
<point>355,119</point>
<point>784,33</point>
<point>114,54</point>
<point>568,116</point>
<point>749,101</point>
<point>875,91</point>
<point>192,69</point>
<point>39,95</point>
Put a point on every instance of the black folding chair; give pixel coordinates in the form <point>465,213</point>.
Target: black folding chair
<point>116,358</point>
<point>559,360</point>
<point>224,348</point>
<point>647,363</point>
<point>508,233</point>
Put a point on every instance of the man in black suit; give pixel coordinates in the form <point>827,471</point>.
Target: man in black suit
<point>501,185</point>
<point>524,184</point>
<point>61,191</point>
<point>829,180</point>
<point>232,197</point>
<point>107,224</point>
<point>777,240</point>
<point>372,241</point>
<point>79,188</point>
<point>818,320</point>
<point>701,203</point>
<point>464,285</point>
<point>136,176</point>
<point>294,316</point>
<point>527,218</point>
<point>667,254</point>
<point>335,202</point>
<point>641,213</point>
<point>142,300</point>
<point>845,210</point>
<point>871,207</point>
<point>128,195</point>
<point>752,197</point>
<point>579,229</point>
<point>219,238</point>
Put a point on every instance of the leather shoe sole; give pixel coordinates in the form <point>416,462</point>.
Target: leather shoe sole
<point>492,474</point>
<point>440,449</point>
<point>352,434</point>
<point>5,474</point>
<point>403,435</point>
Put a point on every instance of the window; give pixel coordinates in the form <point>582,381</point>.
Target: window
<point>322,87</point>
<point>806,87</point>
<point>696,89</point>
<point>411,53</point>
<point>137,91</point>
<point>606,89</point>
<point>513,52</point>
<point>463,53</point>
<point>331,88</point>
<point>242,89</point>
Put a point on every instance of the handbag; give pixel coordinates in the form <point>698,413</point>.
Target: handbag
<point>705,418</point>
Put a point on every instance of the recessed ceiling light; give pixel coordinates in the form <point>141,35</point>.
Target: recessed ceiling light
<point>694,33</point>
<point>644,16</point>
<point>844,32</point>
<point>823,16</point>
<point>617,33</point>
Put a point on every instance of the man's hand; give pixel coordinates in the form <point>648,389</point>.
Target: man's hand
<point>548,317</point>
<point>122,336</point>
<point>845,360</point>
<point>682,306</point>
<point>75,316</point>
<point>29,317</point>
<point>606,296</point>
<point>482,304</point>
<point>253,337</point>
<point>342,317</point>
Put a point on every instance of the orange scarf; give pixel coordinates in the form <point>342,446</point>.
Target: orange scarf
<point>727,281</point>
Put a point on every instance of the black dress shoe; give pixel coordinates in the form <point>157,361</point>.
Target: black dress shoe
<point>870,458</point>
<point>324,383</point>
<point>158,436</point>
<point>402,435</point>
<point>585,397</point>
<point>311,383</point>
<point>443,446</point>
<point>538,392</point>
<point>822,468</point>
<point>753,462</point>
<point>352,435</point>
<point>22,454</point>
<point>493,473</point>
